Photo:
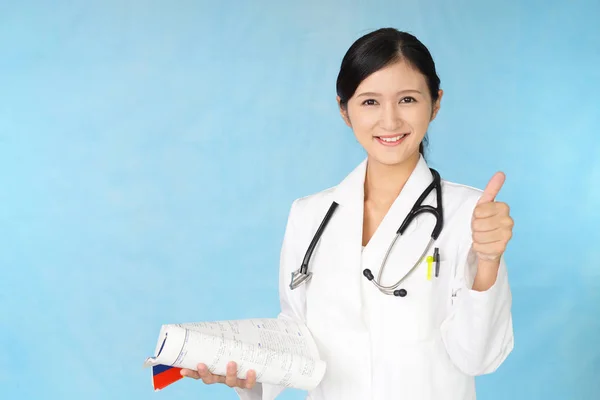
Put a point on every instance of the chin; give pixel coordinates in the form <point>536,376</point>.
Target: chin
<point>393,158</point>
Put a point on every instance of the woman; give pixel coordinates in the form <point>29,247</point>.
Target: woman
<point>432,334</point>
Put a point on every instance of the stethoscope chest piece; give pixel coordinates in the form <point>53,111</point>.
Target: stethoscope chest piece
<point>299,278</point>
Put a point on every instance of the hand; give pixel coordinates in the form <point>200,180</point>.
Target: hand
<point>491,224</point>
<point>230,380</point>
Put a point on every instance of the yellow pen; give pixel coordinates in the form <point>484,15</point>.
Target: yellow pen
<point>429,267</point>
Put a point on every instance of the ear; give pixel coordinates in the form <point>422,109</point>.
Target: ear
<point>344,112</point>
<point>437,104</point>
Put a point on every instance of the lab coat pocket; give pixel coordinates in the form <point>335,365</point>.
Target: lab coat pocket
<point>417,316</point>
<point>433,302</point>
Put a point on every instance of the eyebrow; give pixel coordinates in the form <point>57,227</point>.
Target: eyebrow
<point>374,94</point>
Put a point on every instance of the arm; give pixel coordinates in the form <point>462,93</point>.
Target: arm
<point>478,333</point>
<point>292,304</point>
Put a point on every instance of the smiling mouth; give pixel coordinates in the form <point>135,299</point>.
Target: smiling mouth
<point>391,140</point>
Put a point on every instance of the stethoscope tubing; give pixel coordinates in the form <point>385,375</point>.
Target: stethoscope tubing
<point>302,275</point>
<point>390,289</point>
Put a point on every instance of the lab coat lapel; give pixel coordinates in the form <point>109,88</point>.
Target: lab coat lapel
<point>409,247</point>
<point>349,195</point>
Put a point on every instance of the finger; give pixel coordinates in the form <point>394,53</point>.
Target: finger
<point>497,235</point>
<point>250,379</point>
<point>484,224</point>
<point>207,377</point>
<point>231,379</point>
<point>486,210</point>
<point>489,251</point>
<point>189,373</point>
<point>491,223</point>
<point>493,188</point>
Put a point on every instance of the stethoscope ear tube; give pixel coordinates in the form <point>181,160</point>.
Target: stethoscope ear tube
<point>393,289</point>
<point>398,292</point>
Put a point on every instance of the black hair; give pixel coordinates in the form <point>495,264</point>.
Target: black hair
<point>377,50</point>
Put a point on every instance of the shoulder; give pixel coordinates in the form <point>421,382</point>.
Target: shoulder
<point>307,206</point>
<point>460,193</point>
<point>305,215</point>
<point>459,201</point>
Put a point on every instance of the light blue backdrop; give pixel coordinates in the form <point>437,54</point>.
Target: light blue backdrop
<point>149,153</point>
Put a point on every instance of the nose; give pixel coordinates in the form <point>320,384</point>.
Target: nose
<point>391,120</point>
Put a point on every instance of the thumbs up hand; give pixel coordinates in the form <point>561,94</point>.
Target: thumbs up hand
<point>491,225</point>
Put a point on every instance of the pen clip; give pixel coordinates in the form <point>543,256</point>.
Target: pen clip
<point>436,258</point>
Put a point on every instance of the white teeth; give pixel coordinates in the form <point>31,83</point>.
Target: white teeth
<point>392,139</point>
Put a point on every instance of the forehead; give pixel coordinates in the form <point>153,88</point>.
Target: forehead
<point>394,78</point>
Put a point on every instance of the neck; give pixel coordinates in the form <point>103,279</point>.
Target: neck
<point>383,183</point>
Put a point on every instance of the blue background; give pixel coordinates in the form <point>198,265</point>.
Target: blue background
<point>150,151</point>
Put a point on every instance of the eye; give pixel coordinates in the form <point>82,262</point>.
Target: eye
<point>369,102</point>
<point>408,99</point>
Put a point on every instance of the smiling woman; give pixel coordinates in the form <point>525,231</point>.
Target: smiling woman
<point>372,84</point>
<point>413,334</point>
<point>388,92</point>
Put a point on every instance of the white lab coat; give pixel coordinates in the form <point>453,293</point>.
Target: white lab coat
<point>428,345</point>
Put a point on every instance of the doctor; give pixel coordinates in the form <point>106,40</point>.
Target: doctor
<point>446,321</point>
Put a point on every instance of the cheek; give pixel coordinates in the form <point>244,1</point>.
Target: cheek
<point>363,124</point>
<point>419,120</point>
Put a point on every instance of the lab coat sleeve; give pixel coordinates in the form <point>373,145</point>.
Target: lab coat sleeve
<point>478,332</point>
<point>292,306</point>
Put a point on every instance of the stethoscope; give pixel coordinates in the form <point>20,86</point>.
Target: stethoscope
<point>302,275</point>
